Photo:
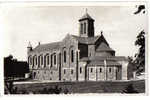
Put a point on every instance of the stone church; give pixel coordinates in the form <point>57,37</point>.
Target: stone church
<point>85,57</point>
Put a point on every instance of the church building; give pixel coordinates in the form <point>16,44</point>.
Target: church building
<point>85,57</point>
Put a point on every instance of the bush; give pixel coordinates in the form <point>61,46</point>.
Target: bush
<point>130,89</point>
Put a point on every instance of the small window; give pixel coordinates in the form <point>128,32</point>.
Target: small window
<point>71,71</point>
<point>100,70</point>
<point>64,71</point>
<point>80,70</point>
<point>91,70</point>
<point>109,70</point>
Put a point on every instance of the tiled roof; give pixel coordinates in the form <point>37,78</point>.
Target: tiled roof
<point>100,58</point>
<point>86,16</point>
<point>46,47</point>
<point>104,47</point>
<point>101,63</point>
<point>86,40</point>
<point>103,44</point>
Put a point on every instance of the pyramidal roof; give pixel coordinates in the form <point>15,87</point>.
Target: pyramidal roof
<point>86,16</point>
<point>29,45</point>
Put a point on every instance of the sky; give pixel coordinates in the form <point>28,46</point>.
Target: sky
<point>45,24</point>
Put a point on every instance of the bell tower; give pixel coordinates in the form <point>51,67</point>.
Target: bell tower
<point>86,24</point>
<point>29,48</point>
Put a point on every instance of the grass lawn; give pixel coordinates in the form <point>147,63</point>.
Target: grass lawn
<point>84,87</point>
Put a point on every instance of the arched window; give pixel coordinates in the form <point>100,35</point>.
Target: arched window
<point>109,70</point>
<point>81,29</point>
<point>80,70</point>
<point>72,56</point>
<point>48,59</point>
<point>36,60</point>
<point>39,62</point>
<point>45,61</point>
<point>33,61</point>
<point>91,70</point>
<point>30,60</point>
<point>51,60</point>
<point>65,56</point>
<point>84,28</point>
<point>41,59</point>
<point>54,59</point>
<point>60,59</point>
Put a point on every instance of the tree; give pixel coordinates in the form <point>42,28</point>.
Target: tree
<point>141,8</point>
<point>140,56</point>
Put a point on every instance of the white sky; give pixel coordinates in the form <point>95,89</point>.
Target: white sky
<point>51,23</point>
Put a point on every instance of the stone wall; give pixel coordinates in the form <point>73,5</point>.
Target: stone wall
<point>97,75</point>
<point>100,74</point>
<point>111,73</point>
<point>124,69</point>
<point>81,71</point>
<point>50,75</point>
<point>68,44</point>
<point>91,50</point>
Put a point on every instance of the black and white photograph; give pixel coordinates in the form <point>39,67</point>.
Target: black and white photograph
<point>81,48</point>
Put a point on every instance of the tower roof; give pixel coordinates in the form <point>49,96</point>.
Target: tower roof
<point>29,45</point>
<point>86,16</point>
